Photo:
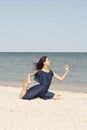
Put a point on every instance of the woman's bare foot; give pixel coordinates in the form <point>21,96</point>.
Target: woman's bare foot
<point>56,97</point>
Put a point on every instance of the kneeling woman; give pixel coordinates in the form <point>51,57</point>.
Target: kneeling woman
<point>43,75</point>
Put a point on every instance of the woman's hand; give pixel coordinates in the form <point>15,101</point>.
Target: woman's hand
<point>67,67</point>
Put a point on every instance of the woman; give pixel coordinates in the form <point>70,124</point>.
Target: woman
<point>43,75</point>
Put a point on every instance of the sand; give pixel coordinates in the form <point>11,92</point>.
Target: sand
<point>68,113</point>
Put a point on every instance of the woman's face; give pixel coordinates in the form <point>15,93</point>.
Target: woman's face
<point>47,62</point>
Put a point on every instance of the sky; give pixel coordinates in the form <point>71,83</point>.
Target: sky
<point>43,25</point>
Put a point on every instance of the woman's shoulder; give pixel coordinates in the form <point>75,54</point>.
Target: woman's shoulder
<point>51,71</point>
<point>34,72</point>
<point>37,71</point>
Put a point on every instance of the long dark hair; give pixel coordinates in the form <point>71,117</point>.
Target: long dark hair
<point>40,63</point>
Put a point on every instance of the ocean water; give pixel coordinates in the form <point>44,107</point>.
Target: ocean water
<point>15,66</point>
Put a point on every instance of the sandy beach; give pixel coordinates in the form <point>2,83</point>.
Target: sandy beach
<point>68,113</point>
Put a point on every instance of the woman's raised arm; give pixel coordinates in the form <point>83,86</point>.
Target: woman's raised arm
<point>64,75</point>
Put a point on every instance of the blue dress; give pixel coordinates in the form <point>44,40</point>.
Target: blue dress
<point>41,89</point>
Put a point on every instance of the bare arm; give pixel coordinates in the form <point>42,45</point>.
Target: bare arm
<point>27,81</point>
<point>64,75</point>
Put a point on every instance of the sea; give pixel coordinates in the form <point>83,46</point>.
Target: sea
<point>14,67</point>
